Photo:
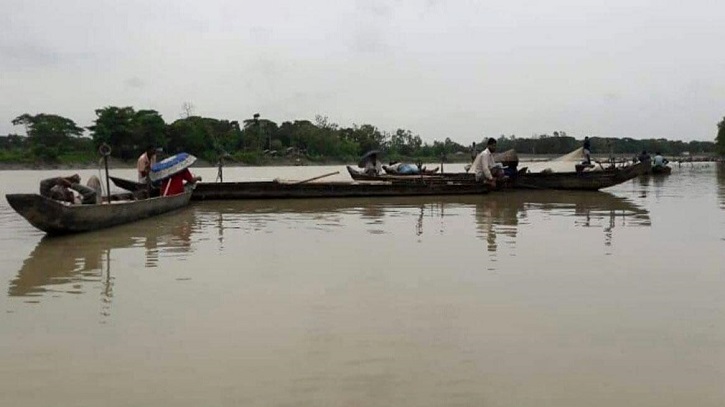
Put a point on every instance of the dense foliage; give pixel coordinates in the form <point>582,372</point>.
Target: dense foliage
<point>49,135</point>
<point>256,140</point>
<point>720,139</point>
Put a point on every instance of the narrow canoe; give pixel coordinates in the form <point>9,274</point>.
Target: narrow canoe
<point>57,218</point>
<point>584,181</point>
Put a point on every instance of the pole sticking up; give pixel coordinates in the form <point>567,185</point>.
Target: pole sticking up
<point>105,151</point>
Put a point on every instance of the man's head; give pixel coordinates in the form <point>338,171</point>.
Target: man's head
<point>150,151</point>
<point>491,144</point>
<point>586,137</point>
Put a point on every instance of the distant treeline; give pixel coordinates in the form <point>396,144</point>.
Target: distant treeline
<point>129,132</point>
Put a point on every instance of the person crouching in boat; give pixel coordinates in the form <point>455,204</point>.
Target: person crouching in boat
<point>373,166</point>
<point>174,185</point>
<point>61,189</point>
<point>485,167</point>
<point>144,164</point>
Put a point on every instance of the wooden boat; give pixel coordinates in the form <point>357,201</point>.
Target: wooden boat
<point>133,186</point>
<point>57,218</point>
<point>283,190</point>
<point>660,170</point>
<point>126,184</point>
<point>585,180</point>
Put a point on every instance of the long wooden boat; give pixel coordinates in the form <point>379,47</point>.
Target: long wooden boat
<point>585,180</point>
<point>284,190</point>
<point>57,218</point>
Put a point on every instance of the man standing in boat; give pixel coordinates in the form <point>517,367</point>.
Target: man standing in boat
<point>587,147</point>
<point>485,167</point>
<point>144,164</point>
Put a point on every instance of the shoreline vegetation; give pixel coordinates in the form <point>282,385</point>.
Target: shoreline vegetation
<point>115,164</point>
<point>55,142</point>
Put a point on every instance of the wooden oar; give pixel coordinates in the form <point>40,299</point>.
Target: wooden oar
<point>317,177</point>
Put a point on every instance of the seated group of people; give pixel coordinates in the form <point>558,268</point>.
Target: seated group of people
<point>69,189</point>
<point>173,185</point>
<point>484,166</point>
<point>659,160</point>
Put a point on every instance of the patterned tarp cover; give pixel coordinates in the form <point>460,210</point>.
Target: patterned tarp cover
<point>170,166</point>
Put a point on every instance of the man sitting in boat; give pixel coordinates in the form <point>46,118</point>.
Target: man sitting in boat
<point>485,167</point>
<point>61,189</point>
<point>144,163</point>
<point>373,165</point>
<point>659,161</point>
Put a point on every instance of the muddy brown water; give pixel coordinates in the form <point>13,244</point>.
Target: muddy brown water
<point>511,299</point>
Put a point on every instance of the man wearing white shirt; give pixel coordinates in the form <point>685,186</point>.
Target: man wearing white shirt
<point>144,164</point>
<point>484,166</point>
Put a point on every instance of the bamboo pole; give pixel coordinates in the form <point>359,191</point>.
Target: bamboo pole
<point>316,178</point>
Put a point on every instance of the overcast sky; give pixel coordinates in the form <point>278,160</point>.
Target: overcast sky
<point>460,69</point>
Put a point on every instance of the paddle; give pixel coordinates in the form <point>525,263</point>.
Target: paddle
<point>318,177</point>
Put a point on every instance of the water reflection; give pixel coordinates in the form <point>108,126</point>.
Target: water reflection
<point>500,215</point>
<point>495,216</point>
<point>644,182</point>
<point>77,263</point>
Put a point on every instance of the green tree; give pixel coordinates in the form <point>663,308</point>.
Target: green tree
<point>127,131</point>
<point>403,142</point>
<point>204,136</point>
<point>49,135</point>
<point>258,134</point>
<point>720,139</point>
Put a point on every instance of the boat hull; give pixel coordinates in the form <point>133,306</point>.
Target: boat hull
<point>278,190</point>
<point>56,218</point>
<point>660,170</point>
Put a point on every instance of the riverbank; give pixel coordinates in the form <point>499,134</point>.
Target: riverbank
<point>114,163</point>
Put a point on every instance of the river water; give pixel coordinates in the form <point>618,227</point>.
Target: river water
<point>511,299</point>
